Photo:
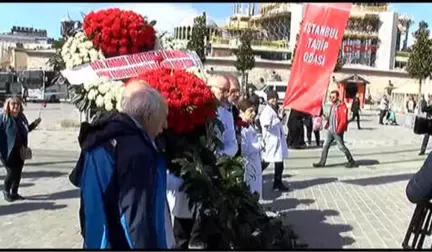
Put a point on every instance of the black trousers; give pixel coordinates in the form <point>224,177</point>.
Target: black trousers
<point>182,232</point>
<point>357,115</point>
<point>279,167</point>
<point>14,167</point>
<point>381,116</point>
<point>424,143</point>
<point>187,232</point>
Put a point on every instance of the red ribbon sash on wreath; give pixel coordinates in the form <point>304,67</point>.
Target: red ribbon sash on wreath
<point>316,55</point>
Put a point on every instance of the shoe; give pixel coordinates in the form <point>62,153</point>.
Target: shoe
<point>280,187</point>
<point>16,196</point>
<point>7,196</point>
<point>421,153</point>
<point>318,165</point>
<point>351,164</point>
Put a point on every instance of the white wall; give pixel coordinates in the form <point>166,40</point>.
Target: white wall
<point>297,11</point>
<point>386,52</point>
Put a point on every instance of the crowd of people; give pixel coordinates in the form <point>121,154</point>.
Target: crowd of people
<point>124,206</point>
<point>152,211</point>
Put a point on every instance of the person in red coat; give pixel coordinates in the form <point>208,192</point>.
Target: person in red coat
<point>336,126</point>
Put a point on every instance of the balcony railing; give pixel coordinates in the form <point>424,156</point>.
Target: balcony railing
<point>403,54</point>
<point>278,44</point>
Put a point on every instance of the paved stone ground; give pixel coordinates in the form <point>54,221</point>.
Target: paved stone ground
<point>364,207</point>
<point>331,207</point>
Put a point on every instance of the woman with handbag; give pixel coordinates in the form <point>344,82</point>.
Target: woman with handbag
<point>14,129</point>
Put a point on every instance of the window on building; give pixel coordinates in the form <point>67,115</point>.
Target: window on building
<point>359,51</point>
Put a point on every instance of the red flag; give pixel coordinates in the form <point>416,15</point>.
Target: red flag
<point>317,51</point>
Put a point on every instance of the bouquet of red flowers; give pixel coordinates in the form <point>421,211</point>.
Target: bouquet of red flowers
<point>190,101</point>
<point>117,32</point>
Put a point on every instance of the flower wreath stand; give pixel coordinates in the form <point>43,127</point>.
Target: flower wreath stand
<point>224,206</point>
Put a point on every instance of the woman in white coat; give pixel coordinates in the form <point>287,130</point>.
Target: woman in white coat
<point>250,147</point>
<point>275,146</point>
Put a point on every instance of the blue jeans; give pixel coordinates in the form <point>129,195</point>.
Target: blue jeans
<point>330,137</point>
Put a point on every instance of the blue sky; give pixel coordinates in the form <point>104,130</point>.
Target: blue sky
<point>48,15</point>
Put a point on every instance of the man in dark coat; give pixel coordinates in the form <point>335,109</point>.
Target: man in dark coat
<point>295,137</point>
<point>122,177</point>
<point>425,108</point>
<point>355,109</point>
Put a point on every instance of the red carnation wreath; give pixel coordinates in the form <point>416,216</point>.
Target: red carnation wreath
<point>190,101</point>
<point>117,32</point>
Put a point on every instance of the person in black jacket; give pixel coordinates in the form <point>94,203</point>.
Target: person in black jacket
<point>428,110</point>
<point>355,109</point>
<point>419,188</point>
<point>295,137</point>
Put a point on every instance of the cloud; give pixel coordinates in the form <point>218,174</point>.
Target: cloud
<point>167,15</point>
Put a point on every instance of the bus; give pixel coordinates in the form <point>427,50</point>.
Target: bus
<point>40,86</point>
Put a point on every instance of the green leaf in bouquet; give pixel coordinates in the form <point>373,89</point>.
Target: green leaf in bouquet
<point>152,23</point>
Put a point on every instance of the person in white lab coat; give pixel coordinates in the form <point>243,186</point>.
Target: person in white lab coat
<point>275,146</point>
<point>185,231</point>
<point>250,147</point>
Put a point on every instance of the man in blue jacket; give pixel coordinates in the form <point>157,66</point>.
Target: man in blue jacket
<point>122,177</point>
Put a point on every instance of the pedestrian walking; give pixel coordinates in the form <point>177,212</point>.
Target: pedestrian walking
<point>275,145</point>
<point>411,104</point>
<point>384,105</point>
<point>124,206</point>
<point>14,150</point>
<point>316,128</point>
<point>336,127</point>
<point>355,109</point>
<point>427,109</point>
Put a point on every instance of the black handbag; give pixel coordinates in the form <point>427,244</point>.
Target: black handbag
<point>422,125</point>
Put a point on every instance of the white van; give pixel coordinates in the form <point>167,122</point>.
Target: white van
<point>278,86</point>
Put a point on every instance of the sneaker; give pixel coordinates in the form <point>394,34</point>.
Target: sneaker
<point>351,164</point>
<point>280,187</point>
<point>421,153</point>
<point>318,165</point>
<point>7,196</point>
<point>16,196</point>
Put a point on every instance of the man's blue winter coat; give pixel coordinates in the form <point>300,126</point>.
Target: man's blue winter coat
<point>123,186</point>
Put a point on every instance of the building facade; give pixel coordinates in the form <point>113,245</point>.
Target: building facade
<point>24,38</point>
<point>373,36</point>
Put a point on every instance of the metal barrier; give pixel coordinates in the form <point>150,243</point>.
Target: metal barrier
<point>420,226</point>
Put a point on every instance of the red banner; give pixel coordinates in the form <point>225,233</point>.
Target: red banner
<point>316,55</point>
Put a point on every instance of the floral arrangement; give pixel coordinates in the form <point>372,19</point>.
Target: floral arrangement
<point>200,73</point>
<point>191,103</point>
<point>103,94</point>
<point>214,185</point>
<point>78,50</point>
<point>118,32</point>
<point>167,42</point>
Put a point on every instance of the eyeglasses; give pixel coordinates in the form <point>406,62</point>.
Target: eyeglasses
<point>234,91</point>
<point>223,90</point>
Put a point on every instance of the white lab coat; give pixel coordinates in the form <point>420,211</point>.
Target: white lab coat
<point>169,232</point>
<point>251,153</point>
<point>177,200</point>
<point>274,142</point>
